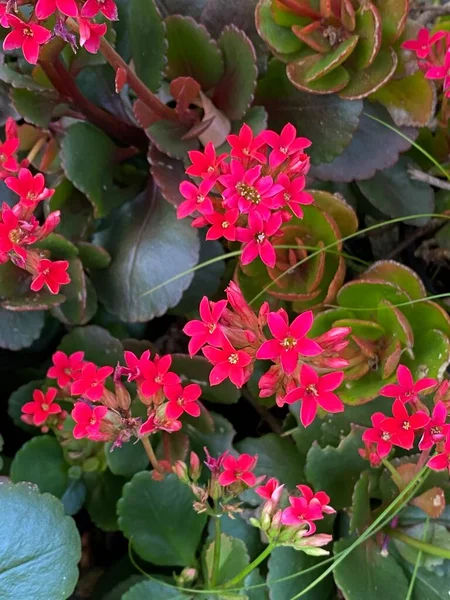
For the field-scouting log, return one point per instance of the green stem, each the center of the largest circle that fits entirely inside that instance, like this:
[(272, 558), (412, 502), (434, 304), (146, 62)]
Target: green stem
[(216, 557), (419, 544), (395, 474), (258, 560), (417, 565)]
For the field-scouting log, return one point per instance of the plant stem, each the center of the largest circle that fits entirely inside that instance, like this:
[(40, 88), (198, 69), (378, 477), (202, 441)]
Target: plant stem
[(258, 560), (417, 565), (151, 455), (216, 557), (35, 149), (395, 474), (419, 544)]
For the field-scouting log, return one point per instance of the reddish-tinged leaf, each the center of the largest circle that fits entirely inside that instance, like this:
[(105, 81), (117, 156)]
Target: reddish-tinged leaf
[(368, 27), (279, 39), (121, 79), (144, 115), (312, 35), (334, 81), (394, 14), (326, 64), (185, 91), (167, 173), (366, 81)]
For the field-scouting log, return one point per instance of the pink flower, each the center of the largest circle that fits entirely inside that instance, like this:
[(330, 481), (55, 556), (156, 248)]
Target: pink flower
[(88, 421), (196, 198), (156, 376), (316, 391), (407, 390), (422, 45), (154, 424), (436, 430), (91, 34), (135, 366), (206, 331), (271, 491), (403, 426), (290, 340), (246, 146), (7, 149), (238, 469), (223, 225), (256, 239), (106, 7), (91, 381), (30, 189), (284, 145), (65, 368), (27, 36), (378, 435), (205, 164), (320, 497), (228, 362), (292, 194), (10, 233), (42, 406), (45, 8), (183, 400), (305, 510), (440, 72), (441, 461), (53, 274)]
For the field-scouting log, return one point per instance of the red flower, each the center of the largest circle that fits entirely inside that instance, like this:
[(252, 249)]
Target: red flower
[(303, 511), (206, 331), (320, 497), (284, 145), (183, 400), (42, 406), (229, 363), (93, 7), (271, 491), (135, 366), (407, 390), (441, 461), (441, 72), (7, 149), (403, 426), (238, 469), (422, 45), (27, 36), (256, 239), (378, 435), (153, 424), (292, 194), (196, 198), (91, 34), (156, 376), (88, 421), (53, 274), (246, 145), (223, 225), (65, 368), (436, 430), (205, 164), (45, 8), (10, 233), (30, 189), (316, 391), (290, 340), (91, 381)]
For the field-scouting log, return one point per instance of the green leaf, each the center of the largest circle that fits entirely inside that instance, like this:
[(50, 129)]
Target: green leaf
[(431, 533), (233, 559), (20, 397), (366, 81), (81, 299), (87, 157), (329, 61), (361, 514), (98, 345), (234, 94), (428, 585), (104, 490), (277, 457), (92, 256), (280, 39), (168, 137), (35, 107), (286, 104), (192, 52), (159, 519), (18, 80), (128, 459), (217, 435), (287, 561), (333, 81), (118, 591), (20, 329), (395, 194), (58, 245), (364, 565), (39, 546), (41, 461), (336, 470), (154, 590), (431, 348), (167, 173), (145, 257), (144, 24), (74, 496), (393, 18), (238, 528)]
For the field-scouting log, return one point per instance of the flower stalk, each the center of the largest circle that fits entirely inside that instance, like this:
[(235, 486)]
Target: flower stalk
[(151, 454), (216, 557), (258, 560)]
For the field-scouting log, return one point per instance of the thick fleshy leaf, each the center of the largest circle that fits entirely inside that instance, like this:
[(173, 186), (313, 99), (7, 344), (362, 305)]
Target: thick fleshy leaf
[(20, 329), (428, 583), (361, 513), (393, 18), (395, 194), (210, 430), (144, 24), (170, 539), (168, 138), (92, 256), (367, 294), (333, 81), (234, 94), (34, 107), (154, 590), (38, 554), (398, 274), (103, 492), (239, 528), (59, 246), (366, 81), (232, 560), (286, 104), (98, 345), (332, 60), (368, 28), (278, 38), (136, 286), (336, 207), (192, 52), (17, 399), (432, 349), (168, 173), (81, 299), (128, 459)]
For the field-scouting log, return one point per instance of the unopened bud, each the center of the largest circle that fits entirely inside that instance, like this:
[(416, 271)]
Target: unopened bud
[(187, 575), (109, 399), (122, 395), (195, 465), (181, 471)]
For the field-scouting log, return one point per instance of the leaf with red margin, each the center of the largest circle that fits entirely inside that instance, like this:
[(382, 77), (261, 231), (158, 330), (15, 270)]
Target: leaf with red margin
[(167, 173), (366, 81), (334, 81)]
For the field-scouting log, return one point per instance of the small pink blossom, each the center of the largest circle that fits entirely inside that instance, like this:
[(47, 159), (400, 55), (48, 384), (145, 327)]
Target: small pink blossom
[(228, 362), (53, 274), (246, 146), (154, 424), (8, 161), (205, 164), (206, 331), (107, 7), (27, 36), (30, 189), (135, 366), (222, 225), (65, 368), (272, 490), (284, 145), (183, 400), (422, 45), (403, 426), (91, 381), (441, 461), (156, 376), (378, 435), (197, 198), (305, 510), (88, 421), (436, 431), (42, 407), (91, 34), (256, 238), (238, 470), (292, 194), (407, 390), (45, 8)]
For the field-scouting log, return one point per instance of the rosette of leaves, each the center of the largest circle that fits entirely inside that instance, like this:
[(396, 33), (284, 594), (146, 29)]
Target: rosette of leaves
[(341, 46), (392, 323), (307, 273)]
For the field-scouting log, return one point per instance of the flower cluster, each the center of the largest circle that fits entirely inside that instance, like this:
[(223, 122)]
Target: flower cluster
[(247, 194), (433, 55), (19, 228), (232, 337), (30, 34), (410, 418)]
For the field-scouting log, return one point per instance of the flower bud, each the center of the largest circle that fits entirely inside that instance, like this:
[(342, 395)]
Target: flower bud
[(122, 395), (181, 471), (187, 575), (195, 465)]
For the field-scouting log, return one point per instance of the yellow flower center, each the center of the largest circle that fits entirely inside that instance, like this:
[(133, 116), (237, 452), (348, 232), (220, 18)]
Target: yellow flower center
[(44, 406), (260, 237), (225, 225), (28, 32), (406, 425), (289, 343), (233, 359), (249, 192)]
